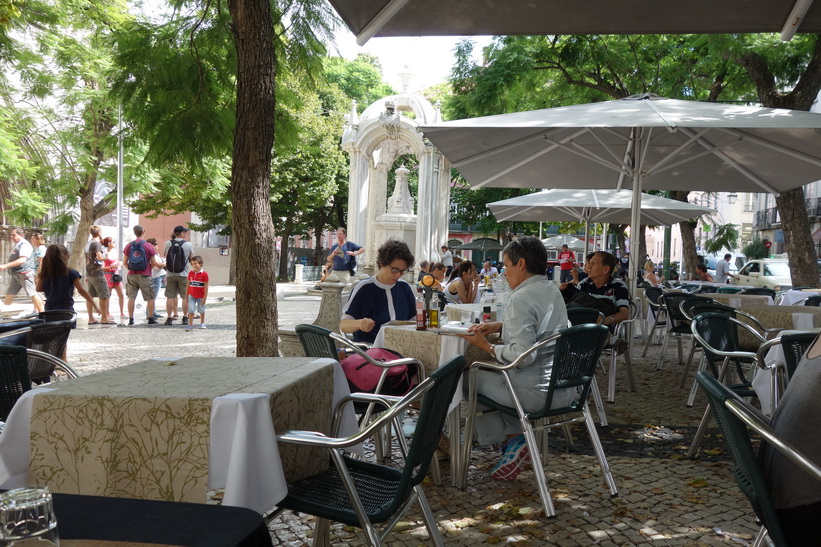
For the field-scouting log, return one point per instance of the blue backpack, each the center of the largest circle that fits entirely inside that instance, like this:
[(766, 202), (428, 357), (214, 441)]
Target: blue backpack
[(137, 259)]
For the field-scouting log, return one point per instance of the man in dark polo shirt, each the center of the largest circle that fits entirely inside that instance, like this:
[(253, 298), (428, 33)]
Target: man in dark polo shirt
[(600, 284)]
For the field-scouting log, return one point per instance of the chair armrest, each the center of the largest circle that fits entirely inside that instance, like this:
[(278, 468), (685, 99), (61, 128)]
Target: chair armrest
[(762, 352), (354, 348)]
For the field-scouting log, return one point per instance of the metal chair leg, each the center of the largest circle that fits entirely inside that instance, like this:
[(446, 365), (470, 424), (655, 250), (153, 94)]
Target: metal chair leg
[(322, 533), (597, 447), (687, 365), (628, 363), (538, 469), (611, 377), (702, 365), (427, 516), (597, 400), (660, 365), (702, 427)]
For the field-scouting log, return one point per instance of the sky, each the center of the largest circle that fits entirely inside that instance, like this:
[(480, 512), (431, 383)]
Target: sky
[(429, 58)]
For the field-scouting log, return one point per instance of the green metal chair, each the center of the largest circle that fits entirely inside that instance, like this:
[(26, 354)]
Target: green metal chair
[(794, 346), (575, 358), (717, 333), (729, 289), (764, 291), (359, 493), (580, 316), (734, 416), (678, 324), (14, 377)]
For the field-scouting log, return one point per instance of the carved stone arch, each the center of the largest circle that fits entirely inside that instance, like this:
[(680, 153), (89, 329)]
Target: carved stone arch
[(374, 141)]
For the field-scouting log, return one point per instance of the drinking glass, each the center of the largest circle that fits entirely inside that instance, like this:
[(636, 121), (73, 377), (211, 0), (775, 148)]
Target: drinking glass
[(27, 518)]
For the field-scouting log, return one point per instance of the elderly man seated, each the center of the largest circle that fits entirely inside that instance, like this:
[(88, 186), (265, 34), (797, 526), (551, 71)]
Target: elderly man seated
[(534, 311), (600, 284)]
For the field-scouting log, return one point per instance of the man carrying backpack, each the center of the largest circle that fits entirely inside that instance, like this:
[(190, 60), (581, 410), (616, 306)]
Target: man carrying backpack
[(177, 253), (139, 257)]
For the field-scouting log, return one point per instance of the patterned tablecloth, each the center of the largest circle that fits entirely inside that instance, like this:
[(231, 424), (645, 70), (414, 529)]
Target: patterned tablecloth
[(783, 317), (146, 430), (742, 301)]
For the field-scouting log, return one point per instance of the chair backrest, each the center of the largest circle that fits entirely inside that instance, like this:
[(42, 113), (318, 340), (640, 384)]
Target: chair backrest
[(51, 337), (747, 472), (57, 315), (6, 326), (672, 303), (17, 337), (708, 289), (582, 315), (652, 294), (814, 300), (432, 413), (14, 377), (575, 358), (686, 305), (316, 341), (795, 346), (765, 291), (728, 289)]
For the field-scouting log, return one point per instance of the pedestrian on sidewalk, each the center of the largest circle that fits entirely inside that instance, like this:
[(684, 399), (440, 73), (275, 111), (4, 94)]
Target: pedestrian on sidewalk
[(177, 255), (197, 292)]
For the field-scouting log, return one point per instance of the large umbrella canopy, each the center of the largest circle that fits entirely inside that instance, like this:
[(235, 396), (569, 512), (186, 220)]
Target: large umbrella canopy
[(483, 244), (636, 142), (556, 242), (605, 206), (673, 145), (367, 18)]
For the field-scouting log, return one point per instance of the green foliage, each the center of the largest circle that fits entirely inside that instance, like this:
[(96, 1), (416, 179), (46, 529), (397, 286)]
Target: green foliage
[(359, 79), (755, 250), (724, 237)]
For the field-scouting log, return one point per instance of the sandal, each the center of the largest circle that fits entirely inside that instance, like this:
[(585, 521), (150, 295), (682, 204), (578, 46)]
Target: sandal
[(93, 322)]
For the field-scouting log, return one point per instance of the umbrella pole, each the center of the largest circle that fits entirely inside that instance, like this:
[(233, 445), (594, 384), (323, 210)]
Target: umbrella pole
[(635, 210), (586, 236)]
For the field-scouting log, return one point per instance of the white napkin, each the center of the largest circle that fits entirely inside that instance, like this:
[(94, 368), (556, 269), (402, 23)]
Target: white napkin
[(15, 442)]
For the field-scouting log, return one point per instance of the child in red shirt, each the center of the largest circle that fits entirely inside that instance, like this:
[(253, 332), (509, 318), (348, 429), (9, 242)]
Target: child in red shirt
[(197, 291)]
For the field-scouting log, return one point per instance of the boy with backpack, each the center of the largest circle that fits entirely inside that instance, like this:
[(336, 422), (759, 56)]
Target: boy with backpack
[(139, 257), (178, 251)]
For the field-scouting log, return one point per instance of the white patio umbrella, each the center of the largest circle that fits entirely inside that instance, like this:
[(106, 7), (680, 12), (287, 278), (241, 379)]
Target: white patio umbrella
[(367, 18), (573, 243), (639, 142), (604, 206)]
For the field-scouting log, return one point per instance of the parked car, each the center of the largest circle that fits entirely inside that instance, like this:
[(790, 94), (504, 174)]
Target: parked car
[(773, 273), (736, 262)]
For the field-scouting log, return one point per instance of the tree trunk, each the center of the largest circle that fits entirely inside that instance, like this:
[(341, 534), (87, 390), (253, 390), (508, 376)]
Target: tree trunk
[(252, 225), (798, 238), (283, 256), (793, 211), (86, 205), (621, 238), (688, 242)]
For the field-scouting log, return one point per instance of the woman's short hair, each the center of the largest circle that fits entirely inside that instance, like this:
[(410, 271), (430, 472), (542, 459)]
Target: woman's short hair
[(531, 249), (649, 265), (438, 266), (391, 250), (702, 267)]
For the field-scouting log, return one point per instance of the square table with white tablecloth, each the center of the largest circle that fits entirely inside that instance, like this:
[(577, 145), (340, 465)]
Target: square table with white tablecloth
[(171, 429)]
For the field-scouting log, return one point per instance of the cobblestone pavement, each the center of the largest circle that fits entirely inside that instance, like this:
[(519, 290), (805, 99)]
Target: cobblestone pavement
[(664, 499)]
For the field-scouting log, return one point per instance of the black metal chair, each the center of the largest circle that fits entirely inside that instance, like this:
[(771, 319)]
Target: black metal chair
[(706, 289), (653, 297), (44, 367), (717, 333), (734, 416), (14, 377), (359, 493), (794, 346), (678, 325), (623, 331), (582, 316), (814, 300), (575, 358), (15, 324), (764, 291)]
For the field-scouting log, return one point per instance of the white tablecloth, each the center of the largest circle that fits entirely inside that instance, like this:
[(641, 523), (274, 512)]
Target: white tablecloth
[(793, 298), (244, 458)]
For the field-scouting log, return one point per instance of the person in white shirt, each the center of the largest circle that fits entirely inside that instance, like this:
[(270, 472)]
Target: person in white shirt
[(447, 260), (723, 270), (489, 270)]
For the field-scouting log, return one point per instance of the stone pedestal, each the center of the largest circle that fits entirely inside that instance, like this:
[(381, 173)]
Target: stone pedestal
[(330, 309)]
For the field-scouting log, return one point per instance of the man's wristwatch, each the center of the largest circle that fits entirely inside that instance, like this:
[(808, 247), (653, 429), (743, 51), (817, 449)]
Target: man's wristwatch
[(492, 352)]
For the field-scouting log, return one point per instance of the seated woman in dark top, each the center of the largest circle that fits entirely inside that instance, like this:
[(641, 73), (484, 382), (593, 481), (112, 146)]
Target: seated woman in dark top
[(383, 297), (797, 420)]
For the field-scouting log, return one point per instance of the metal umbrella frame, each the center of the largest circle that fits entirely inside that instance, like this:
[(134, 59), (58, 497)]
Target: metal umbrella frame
[(483, 244)]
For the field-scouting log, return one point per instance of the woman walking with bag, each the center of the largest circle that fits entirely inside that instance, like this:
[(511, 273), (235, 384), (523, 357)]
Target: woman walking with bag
[(111, 270)]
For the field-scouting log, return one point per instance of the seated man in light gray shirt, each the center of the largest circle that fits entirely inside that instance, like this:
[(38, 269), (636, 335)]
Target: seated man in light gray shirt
[(535, 310)]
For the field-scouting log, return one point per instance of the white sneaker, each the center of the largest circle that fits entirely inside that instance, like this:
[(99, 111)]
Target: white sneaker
[(202, 326)]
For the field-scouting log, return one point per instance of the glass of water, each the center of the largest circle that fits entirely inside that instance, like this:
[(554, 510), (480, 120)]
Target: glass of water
[(27, 518)]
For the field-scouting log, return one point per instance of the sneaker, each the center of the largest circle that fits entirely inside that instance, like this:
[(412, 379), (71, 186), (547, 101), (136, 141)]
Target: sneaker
[(153, 321), (169, 321), (514, 455), (130, 321), (189, 327), (620, 346), (317, 288), (202, 326), (184, 320)]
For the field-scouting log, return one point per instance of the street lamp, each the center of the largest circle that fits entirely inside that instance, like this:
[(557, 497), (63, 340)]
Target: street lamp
[(732, 198)]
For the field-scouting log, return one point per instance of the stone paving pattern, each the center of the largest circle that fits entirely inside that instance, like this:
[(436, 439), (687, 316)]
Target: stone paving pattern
[(664, 499)]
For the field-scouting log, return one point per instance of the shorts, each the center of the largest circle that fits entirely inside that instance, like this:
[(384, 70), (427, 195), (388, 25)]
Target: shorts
[(176, 285), (566, 276), (196, 304), (23, 281), (98, 286), (142, 283), (343, 275)]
